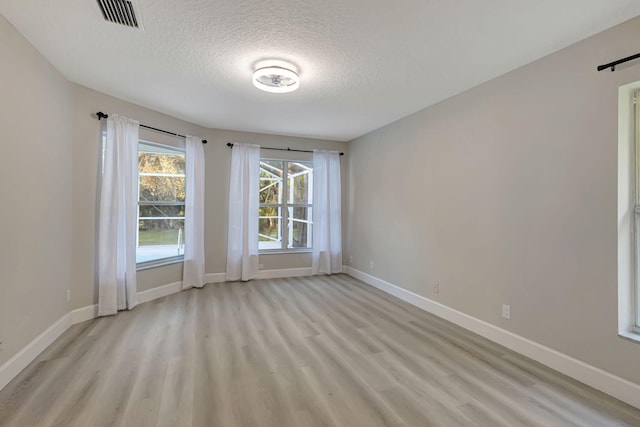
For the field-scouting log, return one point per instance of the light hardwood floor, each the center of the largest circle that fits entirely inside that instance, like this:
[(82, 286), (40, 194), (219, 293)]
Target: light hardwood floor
[(322, 351)]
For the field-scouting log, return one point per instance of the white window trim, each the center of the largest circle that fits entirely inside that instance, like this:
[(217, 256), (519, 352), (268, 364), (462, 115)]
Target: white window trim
[(628, 231), (284, 249)]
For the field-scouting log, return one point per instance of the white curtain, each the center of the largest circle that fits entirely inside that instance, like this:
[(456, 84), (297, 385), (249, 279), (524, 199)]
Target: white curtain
[(117, 225), (193, 271), (327, 213), (242, 238)]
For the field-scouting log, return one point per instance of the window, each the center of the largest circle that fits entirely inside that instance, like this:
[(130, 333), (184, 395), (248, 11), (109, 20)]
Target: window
[(286, 197), (161, 193), (636, 211), (629, 211)]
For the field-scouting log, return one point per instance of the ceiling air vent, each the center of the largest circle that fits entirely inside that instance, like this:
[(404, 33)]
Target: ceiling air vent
[(119, 12)]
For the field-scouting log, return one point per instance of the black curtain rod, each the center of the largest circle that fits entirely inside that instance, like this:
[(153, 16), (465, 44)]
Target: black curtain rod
[(613, 64), (102, 115), (230, 145)]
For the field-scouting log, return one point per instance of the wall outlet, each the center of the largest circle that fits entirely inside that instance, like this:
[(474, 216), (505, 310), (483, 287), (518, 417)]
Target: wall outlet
[(371, 265), (68, 295), (436, 288), (506, 311), (350, 259)]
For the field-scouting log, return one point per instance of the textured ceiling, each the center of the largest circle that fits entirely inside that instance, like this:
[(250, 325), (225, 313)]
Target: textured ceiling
[(362, 64)]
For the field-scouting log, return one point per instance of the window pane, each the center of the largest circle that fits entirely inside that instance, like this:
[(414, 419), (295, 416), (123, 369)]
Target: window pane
[(299, 175), (637, 290), (299, 228), (271, 172), (269, 228), (160, 162), (161, 188), (159, 238)]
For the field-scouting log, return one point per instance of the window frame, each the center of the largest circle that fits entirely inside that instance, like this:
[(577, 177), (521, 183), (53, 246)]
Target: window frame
[(635, 191), (143, 265), (283, 208), (628, 224)]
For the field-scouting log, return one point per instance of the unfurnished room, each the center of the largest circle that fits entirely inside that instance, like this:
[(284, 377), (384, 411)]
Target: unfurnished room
[(305, 213)]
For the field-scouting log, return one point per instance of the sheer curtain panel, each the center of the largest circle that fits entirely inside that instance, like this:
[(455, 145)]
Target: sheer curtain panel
[(117, 224), (326, 254), (242, 239), (193, 271)]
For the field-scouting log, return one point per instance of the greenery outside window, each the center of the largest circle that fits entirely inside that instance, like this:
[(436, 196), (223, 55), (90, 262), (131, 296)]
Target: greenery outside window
[(286, 203), (161, 195)]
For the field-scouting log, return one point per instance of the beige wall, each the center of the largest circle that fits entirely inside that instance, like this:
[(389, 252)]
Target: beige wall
[(36, 214), (506, 193), (86, 137)]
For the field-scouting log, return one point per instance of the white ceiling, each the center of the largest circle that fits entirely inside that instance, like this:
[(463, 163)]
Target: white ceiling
[(362, 63)]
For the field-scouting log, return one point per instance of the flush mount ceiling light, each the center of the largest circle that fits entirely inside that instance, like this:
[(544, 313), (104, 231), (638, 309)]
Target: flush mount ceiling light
[(276, 79)]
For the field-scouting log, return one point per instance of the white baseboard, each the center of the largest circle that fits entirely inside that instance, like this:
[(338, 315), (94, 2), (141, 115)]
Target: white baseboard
[(597, 378), (215, 277), (287, 272), (263, 274), (21, 360), (159, 292), (85, 313)]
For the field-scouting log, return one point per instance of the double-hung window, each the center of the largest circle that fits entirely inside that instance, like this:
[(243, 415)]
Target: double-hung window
[(629, 211), (636, 210), (161, 193), (286, 203)]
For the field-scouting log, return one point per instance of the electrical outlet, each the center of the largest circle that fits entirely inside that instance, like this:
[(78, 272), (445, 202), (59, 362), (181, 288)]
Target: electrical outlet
[(68, 295), (436, 288), (506, 311), (350, 259), (371, 265)]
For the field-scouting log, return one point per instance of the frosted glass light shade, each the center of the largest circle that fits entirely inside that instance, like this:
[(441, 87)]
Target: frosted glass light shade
[(276, 79)]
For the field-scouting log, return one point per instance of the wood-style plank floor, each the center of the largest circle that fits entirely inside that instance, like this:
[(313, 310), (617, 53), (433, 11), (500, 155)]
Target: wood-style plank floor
[(321, 351)]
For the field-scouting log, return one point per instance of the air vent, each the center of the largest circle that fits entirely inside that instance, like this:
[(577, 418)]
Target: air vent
[(118, 12)]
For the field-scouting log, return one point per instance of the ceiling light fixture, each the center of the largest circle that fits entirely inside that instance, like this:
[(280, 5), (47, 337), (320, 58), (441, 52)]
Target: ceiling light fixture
[(276, 79)]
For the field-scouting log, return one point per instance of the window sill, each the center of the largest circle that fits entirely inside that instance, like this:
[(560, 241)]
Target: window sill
[(630, 335), (280, 252), (159, 262)]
